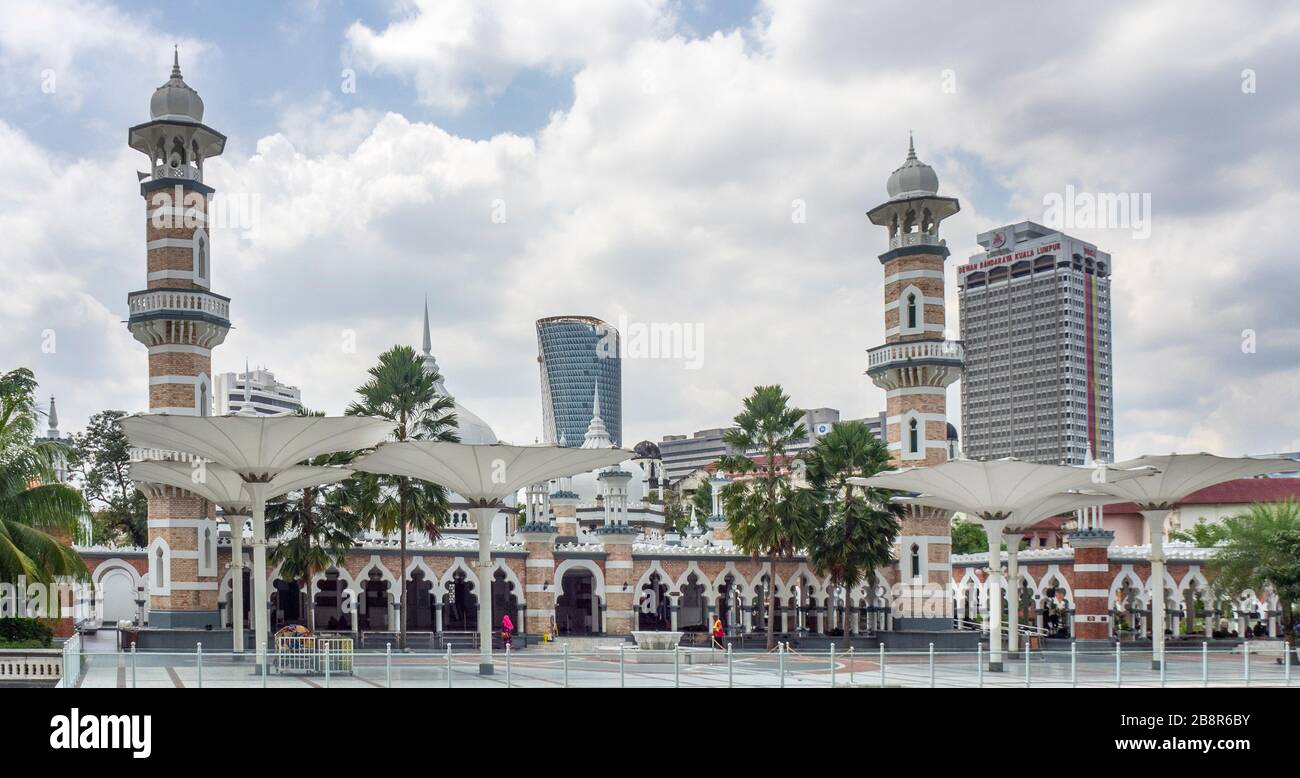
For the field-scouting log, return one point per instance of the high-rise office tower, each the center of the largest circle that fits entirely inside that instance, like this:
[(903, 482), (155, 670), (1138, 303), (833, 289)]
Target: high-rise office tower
[(1035, 320), (578, 355)]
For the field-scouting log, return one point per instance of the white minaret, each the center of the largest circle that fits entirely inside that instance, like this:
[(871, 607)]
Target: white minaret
[(597, 436)]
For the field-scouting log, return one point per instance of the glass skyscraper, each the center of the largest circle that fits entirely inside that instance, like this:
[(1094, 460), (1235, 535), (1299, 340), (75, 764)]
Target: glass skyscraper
[(575, 354)]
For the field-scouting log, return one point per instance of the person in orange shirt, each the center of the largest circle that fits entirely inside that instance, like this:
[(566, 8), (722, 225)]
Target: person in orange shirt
[(717, 633)]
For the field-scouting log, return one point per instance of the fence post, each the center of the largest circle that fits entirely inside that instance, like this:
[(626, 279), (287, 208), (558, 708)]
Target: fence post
[(1286, 652), (1205, 663), (448, 665), (1245, 663), (1026, 650), (132, 664), (266, 660), (931, 665), (1164, 660), (1118, 675), (979, 665), (388, 666), (566, 664), (621, 680), (832, 665), (729, 674), (1074, 665), (327, 664), (882, 665), (198, 661), (780, 651), (852, 669), (677, 667), (507, 665)]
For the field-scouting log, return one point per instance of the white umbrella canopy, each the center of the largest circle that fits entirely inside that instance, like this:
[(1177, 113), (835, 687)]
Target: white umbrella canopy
[(1027, 514), (484, 474), (225, 487), (1181, 474), (255, 445), (993, 489)]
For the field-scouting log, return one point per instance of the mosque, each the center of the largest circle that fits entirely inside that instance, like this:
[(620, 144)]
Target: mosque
[(558, 565)]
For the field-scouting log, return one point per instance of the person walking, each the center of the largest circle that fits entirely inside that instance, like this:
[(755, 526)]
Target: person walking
[(717, 633), (507, 630)]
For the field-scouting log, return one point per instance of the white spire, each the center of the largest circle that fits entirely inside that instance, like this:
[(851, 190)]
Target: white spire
[(246, 408), (53, 431), (431, 364), (597, 436)]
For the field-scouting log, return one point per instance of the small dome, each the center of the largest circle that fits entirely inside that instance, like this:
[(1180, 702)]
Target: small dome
[(913, 179), (471, 429), (175, 99), (647, 450), (952, 432)]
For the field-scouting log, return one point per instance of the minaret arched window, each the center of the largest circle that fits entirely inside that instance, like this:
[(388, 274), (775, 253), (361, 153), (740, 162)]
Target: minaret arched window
[(911, 310), (913, 436), (201, 265), (203, 399), (159, 574), (916, 560)]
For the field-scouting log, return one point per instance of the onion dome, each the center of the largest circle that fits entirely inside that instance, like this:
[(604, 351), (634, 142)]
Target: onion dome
[(913, 179), (175, 100)]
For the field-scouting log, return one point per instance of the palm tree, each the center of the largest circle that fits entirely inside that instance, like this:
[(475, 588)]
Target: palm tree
[(1261, 550), (315, 528), (36, 512), (856, 527), (1204, 535), (765, 513), (403, 391)]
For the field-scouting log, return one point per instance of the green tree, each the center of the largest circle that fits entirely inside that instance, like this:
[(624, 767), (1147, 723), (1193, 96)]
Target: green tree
[(766, 515), (314, 527), (702, 500), (855, 526), (36, 512), (403, 392), (969, 537), (101, 456), (1204, 535), (1261, 549)]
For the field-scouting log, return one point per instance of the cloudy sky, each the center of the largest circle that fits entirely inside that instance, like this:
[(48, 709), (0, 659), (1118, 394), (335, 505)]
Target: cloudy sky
[(643, 159)]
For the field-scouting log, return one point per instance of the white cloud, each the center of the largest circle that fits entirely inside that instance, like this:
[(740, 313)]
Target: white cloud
[(457, 50)]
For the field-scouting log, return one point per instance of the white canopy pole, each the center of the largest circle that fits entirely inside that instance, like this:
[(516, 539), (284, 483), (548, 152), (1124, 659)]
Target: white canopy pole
[(237, 581), (1013, 592), (993, 528), (1155, 521), (483, 519), (257, 492)]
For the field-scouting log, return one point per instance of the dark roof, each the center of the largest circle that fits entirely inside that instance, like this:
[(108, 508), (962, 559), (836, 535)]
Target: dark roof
[(647, 450)]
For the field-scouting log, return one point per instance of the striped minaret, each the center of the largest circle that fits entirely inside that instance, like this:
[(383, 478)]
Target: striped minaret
[(917, 363), (178, 318)]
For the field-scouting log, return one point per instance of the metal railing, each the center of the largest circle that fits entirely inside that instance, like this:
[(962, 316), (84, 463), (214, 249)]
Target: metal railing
[(623, 665)]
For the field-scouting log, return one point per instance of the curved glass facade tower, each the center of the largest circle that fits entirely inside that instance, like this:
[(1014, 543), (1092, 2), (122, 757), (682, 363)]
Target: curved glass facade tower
[(575, 354)]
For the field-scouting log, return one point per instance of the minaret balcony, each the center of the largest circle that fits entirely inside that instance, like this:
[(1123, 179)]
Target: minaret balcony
[(916, 363), (194, 316), (906, 239)]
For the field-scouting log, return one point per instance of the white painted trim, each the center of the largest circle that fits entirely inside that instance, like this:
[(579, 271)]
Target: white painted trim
[(907, 275), (944, 540), (620, 614), (539, 611), (173, 348), (177, 523), (1100, 593), (175, 411), (185, 554), (170, 243), (547, 563), (158, 380), (194, 586), (935, 444), (939, 417), (618, 564), (929, 327), (917, 390), (1092, 568), (169, 275)]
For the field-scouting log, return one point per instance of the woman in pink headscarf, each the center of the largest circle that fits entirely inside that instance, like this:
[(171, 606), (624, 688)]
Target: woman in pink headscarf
[(507, 629)]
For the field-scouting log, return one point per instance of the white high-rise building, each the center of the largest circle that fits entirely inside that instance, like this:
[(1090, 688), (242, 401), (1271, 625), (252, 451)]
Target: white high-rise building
[(260, 390), (1035, 320)]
